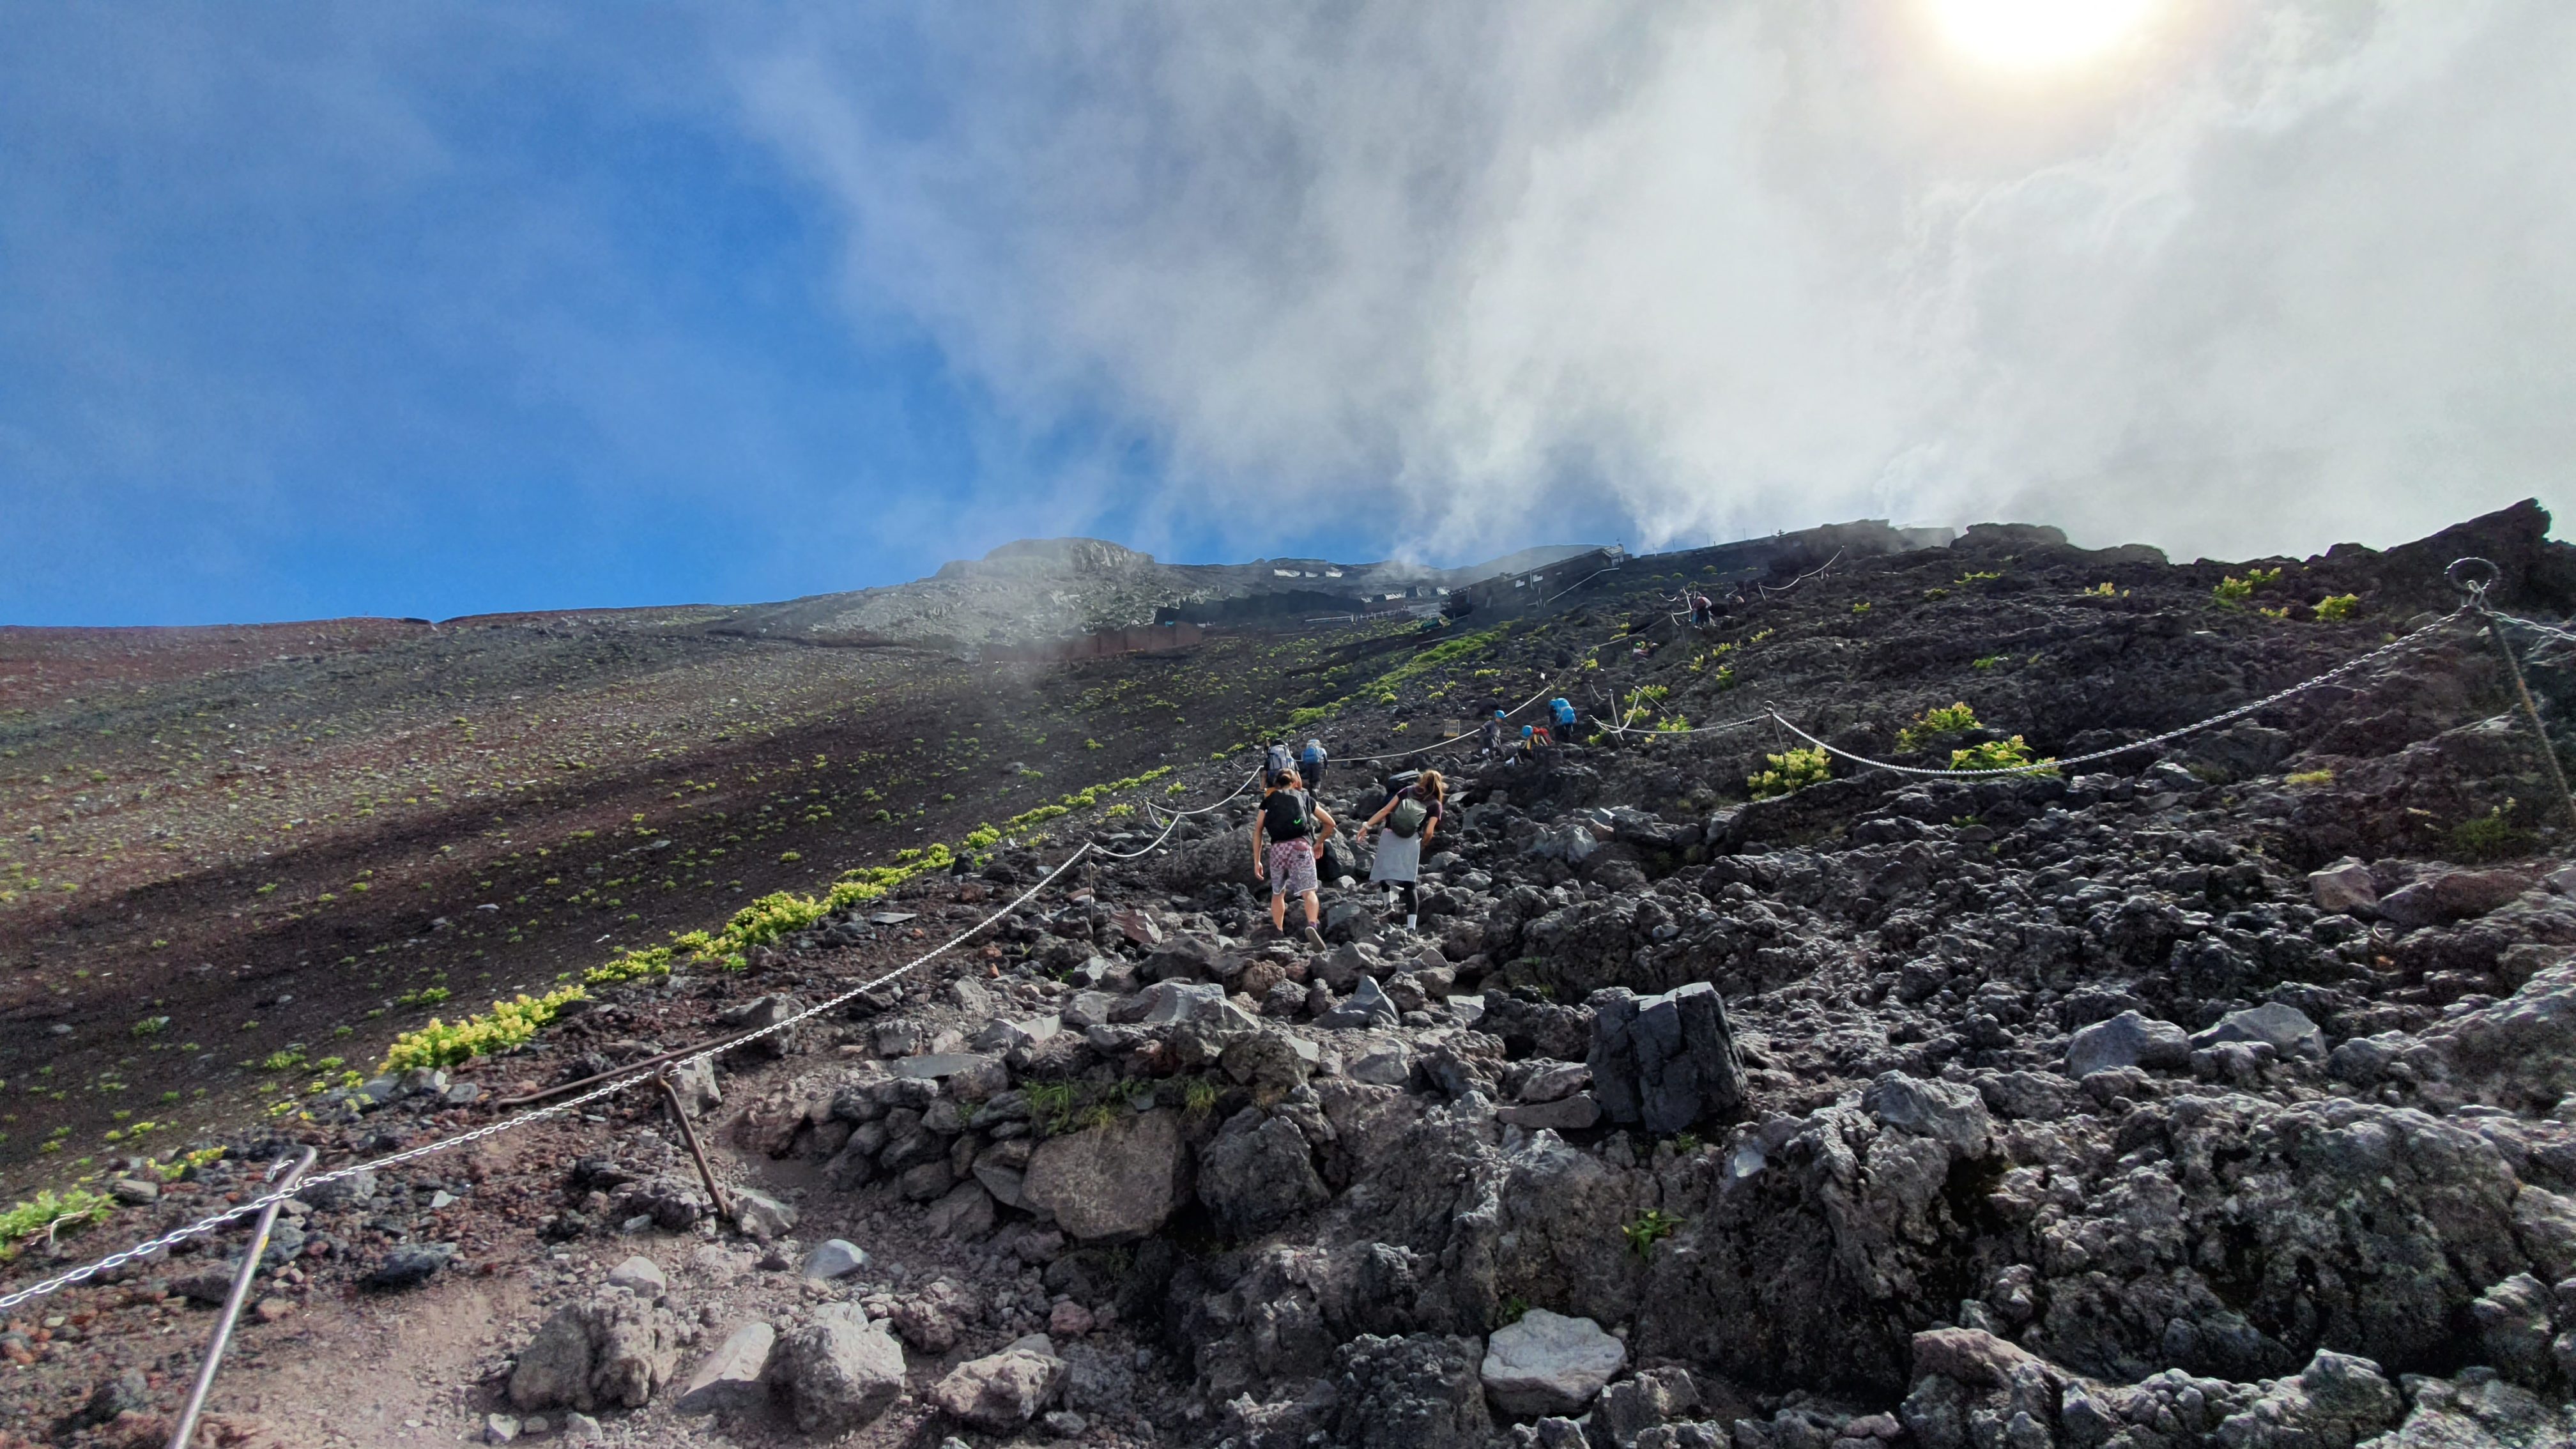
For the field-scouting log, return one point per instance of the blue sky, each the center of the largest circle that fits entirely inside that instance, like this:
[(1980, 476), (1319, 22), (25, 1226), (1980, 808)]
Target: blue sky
[(310, 310)]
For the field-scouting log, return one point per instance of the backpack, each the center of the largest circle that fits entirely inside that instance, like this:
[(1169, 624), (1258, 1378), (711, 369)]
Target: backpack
[(1275, 762), (1407, 817), (1314, 754)]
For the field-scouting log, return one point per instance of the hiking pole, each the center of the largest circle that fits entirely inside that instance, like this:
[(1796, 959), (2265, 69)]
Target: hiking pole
[(196, 1405), (2473, 577), (689, 1135)]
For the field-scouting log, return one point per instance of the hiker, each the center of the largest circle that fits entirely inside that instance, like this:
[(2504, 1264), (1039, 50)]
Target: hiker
[(1566, 719), (1494, 735), (1292, 823), (1410, 816), (1274, 763), (1700, 607), (1311, 764), (1528, 752)]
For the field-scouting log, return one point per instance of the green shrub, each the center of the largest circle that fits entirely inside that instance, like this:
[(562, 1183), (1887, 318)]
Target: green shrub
[(1792, 771), (2337, 608), (52, 1216), (1651, 1228), (506, 1025), (2009, 754), (2492, 836), (2233, 590), (1932, 724), (2304, 779)]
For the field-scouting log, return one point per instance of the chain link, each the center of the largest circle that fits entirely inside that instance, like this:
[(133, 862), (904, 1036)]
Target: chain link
[(2393, 646)]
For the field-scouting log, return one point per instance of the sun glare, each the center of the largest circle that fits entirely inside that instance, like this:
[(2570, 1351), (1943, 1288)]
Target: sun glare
[(2037, 34)]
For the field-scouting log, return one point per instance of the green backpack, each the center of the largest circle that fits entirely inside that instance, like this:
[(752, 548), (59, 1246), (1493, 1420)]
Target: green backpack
[(1407, 817)]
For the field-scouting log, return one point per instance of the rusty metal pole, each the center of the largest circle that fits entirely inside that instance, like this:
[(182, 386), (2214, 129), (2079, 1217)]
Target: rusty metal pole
[(2473, 576), (215, 1347), (689, 1135)]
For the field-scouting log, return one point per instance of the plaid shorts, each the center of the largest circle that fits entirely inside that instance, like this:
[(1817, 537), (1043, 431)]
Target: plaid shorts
[(1292, 867)]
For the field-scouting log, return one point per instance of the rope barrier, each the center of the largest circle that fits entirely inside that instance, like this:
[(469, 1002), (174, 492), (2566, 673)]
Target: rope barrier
[(2393, 646), (213, 1221)]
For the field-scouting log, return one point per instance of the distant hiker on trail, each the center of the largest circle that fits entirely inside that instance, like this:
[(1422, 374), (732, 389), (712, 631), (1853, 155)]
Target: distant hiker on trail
[(1274, 763), (1527, 753), (1566, 718), (1494, 734), (1311, 764), (1410, 817), (1700, 608), (1292, 823)]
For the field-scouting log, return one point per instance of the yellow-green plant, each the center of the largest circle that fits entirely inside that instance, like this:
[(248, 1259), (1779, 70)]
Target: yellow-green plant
[(2233, 590), (2337, 608), (1932, 724), (2009, 754), (507, 1024), (51, 1215), (1792, 771), (1651, 1228)]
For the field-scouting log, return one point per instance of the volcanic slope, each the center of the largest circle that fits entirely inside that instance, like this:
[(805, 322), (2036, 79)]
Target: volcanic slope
[(2054, 1109)]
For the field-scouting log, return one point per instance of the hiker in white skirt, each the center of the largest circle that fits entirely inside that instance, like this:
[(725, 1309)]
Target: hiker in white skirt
[(1403, 824)]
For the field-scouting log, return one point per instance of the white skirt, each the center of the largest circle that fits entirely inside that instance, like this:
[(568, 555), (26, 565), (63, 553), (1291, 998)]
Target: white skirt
[(1399, 857)]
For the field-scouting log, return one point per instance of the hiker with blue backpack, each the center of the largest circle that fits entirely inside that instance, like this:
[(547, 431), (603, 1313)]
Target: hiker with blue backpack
[(1409, 817), (1310, 764), (1563, 709)]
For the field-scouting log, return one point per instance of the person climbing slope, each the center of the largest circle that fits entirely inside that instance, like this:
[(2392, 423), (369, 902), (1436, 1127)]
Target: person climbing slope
[(1310, 764), (1566, 718), (1291, 823), (1410, 817), (1274, 763)]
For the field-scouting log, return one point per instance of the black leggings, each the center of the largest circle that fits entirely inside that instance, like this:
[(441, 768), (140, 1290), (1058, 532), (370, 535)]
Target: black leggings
[(1406, 889)]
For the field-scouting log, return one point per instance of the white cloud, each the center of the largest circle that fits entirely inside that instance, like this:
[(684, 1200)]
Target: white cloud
[(2264, 279)]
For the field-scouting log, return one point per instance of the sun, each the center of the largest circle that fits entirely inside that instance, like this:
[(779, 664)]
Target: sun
[(2038, 34)]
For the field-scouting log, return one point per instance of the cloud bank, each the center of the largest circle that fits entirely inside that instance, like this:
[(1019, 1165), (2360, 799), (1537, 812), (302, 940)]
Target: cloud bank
[(2267, 277)]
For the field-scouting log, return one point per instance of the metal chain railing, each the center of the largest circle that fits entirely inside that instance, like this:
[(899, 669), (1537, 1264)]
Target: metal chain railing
[(2394, 646)]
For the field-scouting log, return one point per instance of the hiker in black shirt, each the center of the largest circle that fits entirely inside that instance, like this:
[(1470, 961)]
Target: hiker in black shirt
[(1292, 823)]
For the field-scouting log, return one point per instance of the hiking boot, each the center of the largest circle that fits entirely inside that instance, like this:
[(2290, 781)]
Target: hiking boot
[(1314, 938)]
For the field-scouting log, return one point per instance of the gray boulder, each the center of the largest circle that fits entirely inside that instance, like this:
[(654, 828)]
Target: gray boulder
[(730, 1377), (1113, 1183), (1369, 1006), (1547, 1363), (2286, 1029), (1421, 1392), (1000, 1392), (1950, 1112), (840, 1371), (614, 1349), (1565, 1114), (1663, 1062), (2344, 886), (834, 1258), (2127, 1040), (1651, 1399), (1258, 1171)]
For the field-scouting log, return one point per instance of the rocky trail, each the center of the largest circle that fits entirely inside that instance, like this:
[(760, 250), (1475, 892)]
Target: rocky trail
[(2222, 1093)]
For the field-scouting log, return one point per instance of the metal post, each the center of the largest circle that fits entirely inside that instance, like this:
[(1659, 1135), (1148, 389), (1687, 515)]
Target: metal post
[(196, 1404), (689, 1135), (2473, 576)]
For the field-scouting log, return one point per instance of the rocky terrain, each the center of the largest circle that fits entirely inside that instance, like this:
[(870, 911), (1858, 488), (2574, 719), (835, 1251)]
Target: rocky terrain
[(2217, 1093)]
